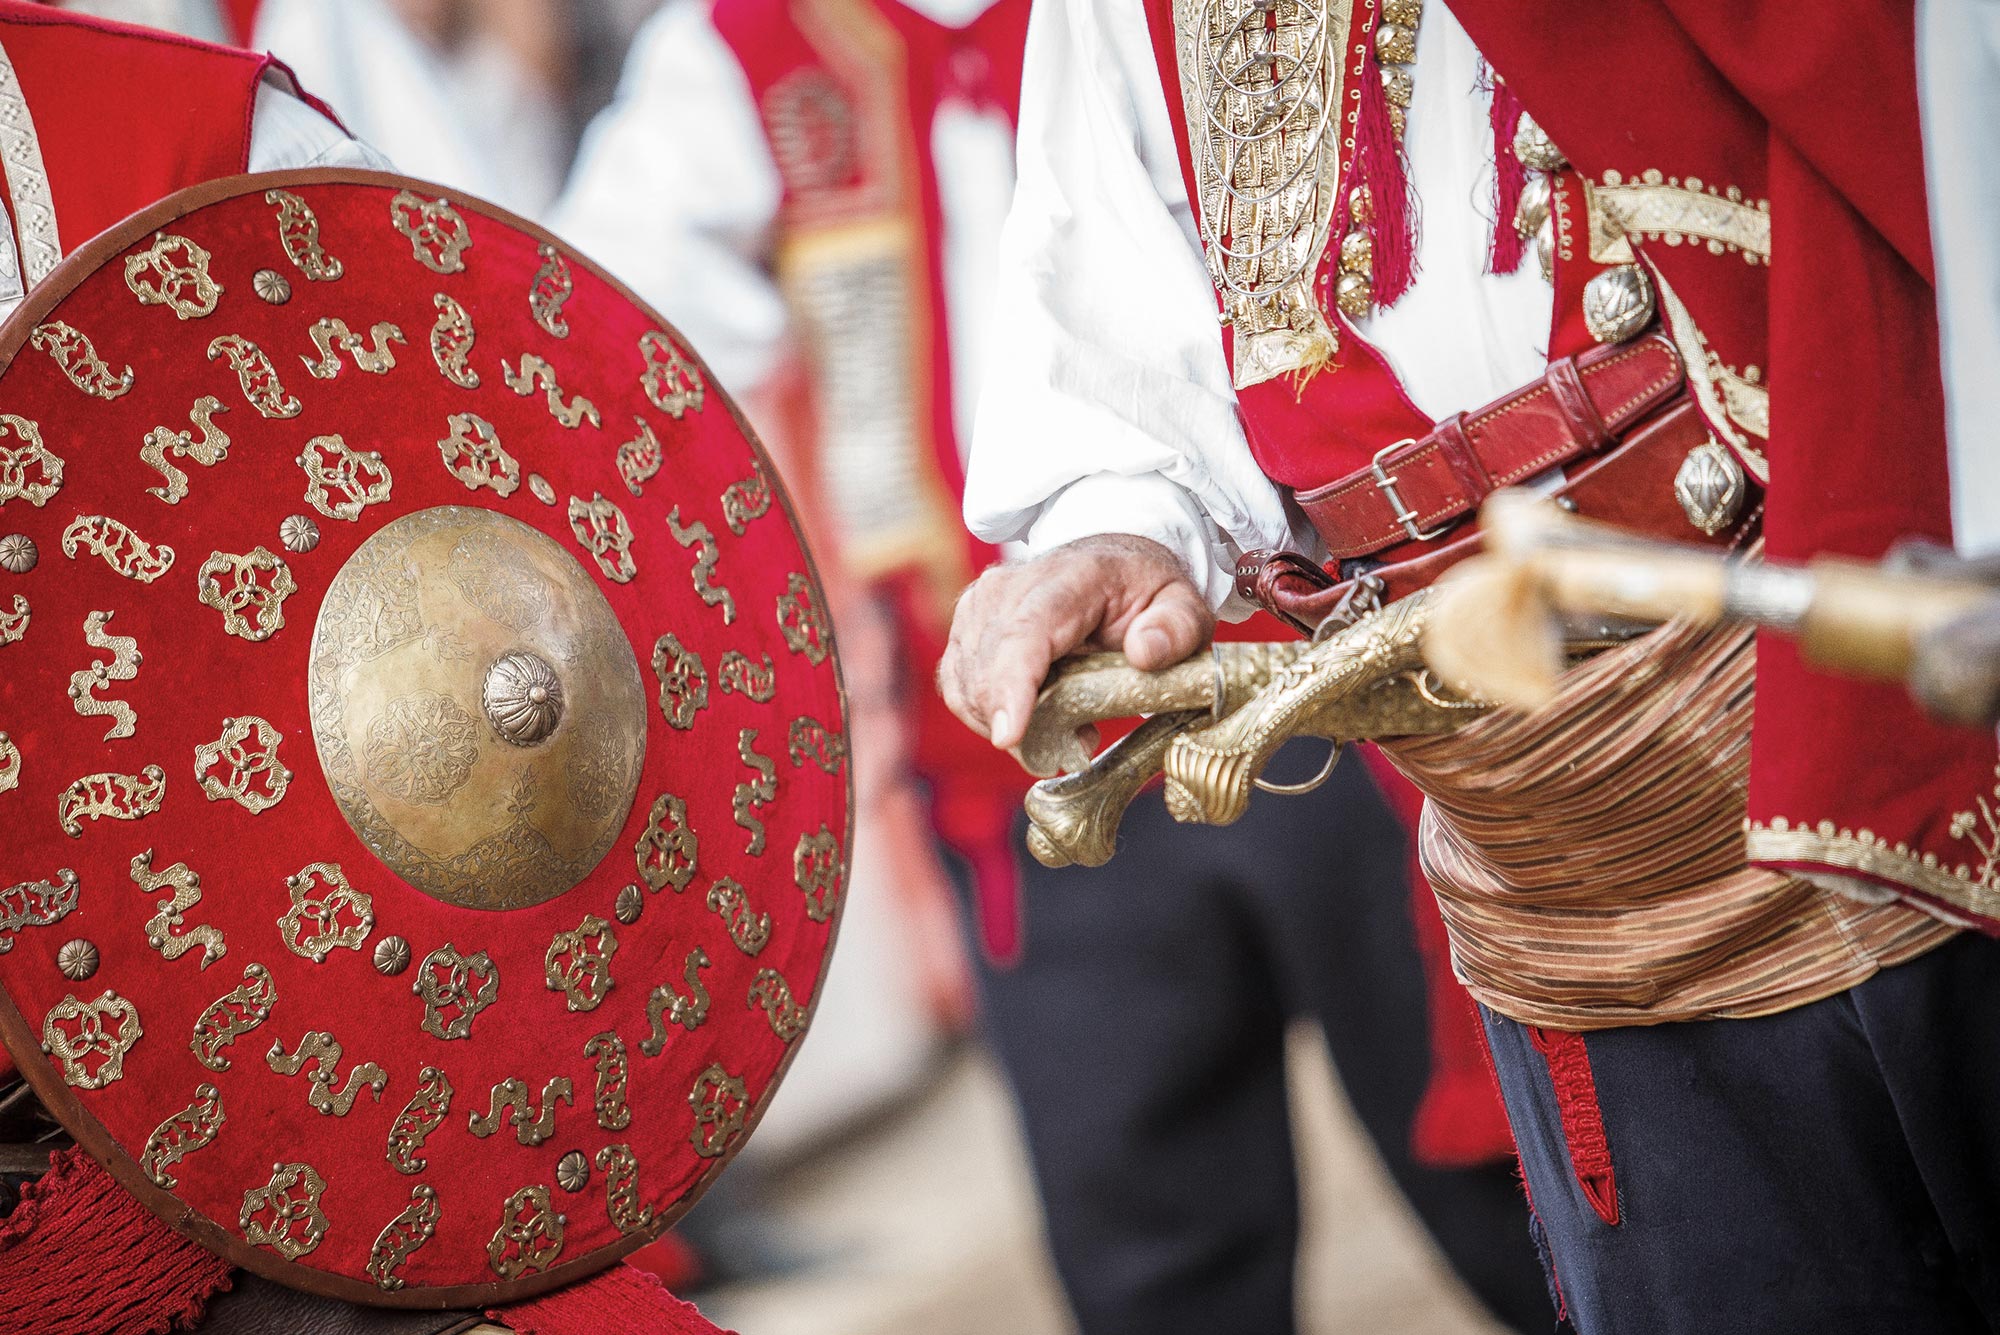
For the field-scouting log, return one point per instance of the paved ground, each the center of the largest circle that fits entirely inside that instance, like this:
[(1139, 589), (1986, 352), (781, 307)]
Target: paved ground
[(927, 1226)]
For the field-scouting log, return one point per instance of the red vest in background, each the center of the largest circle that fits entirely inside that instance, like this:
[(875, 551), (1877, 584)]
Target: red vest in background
[(1772, 179), (240, 17), (122, 116), (848, 92)]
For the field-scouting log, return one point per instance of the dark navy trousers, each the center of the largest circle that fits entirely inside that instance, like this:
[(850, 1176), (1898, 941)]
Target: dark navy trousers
[(1144, 1034), (1832, 1169)]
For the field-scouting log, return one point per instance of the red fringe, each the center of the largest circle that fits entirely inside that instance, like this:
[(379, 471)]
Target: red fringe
[(1509, 247), (81, 1256), (1379, 165)]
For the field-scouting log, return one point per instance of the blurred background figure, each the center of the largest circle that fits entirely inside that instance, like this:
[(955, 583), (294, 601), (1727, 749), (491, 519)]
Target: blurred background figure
[(472, 93), (812, 191), (822, 250), (468, 92)]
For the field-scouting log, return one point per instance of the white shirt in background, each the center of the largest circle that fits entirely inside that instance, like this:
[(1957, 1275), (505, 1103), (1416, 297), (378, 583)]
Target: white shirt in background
[(1118, 415), (675, 191), (473, 122), (1958, 68)]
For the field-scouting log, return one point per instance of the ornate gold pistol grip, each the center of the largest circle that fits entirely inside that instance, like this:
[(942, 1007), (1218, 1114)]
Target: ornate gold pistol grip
[(1090, 688), (1074, 819)]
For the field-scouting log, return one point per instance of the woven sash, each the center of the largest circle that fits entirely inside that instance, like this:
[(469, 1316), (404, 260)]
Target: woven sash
[(1589, 858)]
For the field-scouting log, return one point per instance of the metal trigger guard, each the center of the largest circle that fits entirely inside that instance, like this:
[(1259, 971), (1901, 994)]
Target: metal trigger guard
[(1313, 784)]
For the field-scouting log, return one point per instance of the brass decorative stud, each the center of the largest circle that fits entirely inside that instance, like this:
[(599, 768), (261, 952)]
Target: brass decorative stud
[(18, 553), (1618, 303), (299, 533), (272, 286), (392, 956), (1398, 86), (573, 1171), (1533, 208), (1535, 149), (539, 485), (433, 753), (1710, 487), (1355, 296), (1357, 253), (523, 699), (629, 905), (77, 960), (1395, 44)]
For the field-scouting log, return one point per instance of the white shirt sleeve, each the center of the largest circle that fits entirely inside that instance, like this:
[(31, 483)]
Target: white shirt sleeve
[(675, 192), (1108, 405), (285, 132)]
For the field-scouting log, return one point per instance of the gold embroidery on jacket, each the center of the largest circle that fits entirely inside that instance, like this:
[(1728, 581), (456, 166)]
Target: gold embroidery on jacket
[(1261, 85), (1736, 407), (1968, 887), (1655, 207)]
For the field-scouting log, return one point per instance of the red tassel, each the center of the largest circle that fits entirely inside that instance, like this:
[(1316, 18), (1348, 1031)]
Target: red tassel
[(1379, 166), (1509, 247)]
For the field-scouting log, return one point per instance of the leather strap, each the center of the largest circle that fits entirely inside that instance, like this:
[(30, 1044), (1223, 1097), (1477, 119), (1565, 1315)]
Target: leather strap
[(1630, 485), (1416, 489)]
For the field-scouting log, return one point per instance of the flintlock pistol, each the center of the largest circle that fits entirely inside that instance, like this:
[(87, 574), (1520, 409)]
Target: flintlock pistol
[(1217, 721)]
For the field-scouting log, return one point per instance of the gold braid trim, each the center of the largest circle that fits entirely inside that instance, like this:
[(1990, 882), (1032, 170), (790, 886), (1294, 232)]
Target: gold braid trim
[(1734, 406), (1668, 209), (1969, 887), (1653, 207)]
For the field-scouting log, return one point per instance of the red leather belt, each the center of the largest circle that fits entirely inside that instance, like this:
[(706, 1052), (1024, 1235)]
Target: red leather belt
[(1617, 419), (1415, 489)]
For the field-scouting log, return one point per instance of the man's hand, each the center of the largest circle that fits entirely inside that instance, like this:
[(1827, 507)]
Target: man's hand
[(1115, 591)]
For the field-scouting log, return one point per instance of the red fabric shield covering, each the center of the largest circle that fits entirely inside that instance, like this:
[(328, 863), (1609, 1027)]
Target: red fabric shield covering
[(191, 676)]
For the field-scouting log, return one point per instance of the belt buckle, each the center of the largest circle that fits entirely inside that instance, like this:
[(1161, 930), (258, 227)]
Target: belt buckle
[(1385, 482)]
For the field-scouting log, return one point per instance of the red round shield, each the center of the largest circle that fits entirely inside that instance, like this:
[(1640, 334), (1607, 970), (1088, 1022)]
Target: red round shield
[(423, 763)]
